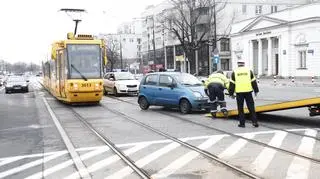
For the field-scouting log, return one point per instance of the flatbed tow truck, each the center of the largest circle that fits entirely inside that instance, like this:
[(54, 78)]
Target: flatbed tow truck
[(313, 105)]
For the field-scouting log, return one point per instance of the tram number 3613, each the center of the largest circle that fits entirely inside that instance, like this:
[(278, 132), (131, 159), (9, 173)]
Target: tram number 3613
[(86, 85)]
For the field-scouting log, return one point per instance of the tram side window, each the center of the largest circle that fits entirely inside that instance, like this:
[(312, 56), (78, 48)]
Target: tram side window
[(53, 70)]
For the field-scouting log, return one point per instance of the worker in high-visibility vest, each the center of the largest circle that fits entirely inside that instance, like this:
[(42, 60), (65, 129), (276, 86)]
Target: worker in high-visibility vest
[(243, 83), (214, 88)]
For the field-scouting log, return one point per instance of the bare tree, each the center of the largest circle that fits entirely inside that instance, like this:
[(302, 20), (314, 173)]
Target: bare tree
[(112, 52), (194, 23)]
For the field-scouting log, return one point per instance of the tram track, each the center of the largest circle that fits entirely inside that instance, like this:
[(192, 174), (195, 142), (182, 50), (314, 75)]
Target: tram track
[(185, 144), (316, 160), (143, 174)]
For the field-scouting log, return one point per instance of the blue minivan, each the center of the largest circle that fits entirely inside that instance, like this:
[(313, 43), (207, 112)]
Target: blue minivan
[(172, 89)]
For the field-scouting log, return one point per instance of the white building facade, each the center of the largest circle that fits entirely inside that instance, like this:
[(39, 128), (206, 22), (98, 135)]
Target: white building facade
[(286, 43), (127, 43), (166, 46)]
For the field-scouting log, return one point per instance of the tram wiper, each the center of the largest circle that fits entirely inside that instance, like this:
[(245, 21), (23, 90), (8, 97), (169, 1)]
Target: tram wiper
[(82, 76)]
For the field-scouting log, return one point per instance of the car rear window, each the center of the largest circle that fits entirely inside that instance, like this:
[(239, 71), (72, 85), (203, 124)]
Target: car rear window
[(151, 80)]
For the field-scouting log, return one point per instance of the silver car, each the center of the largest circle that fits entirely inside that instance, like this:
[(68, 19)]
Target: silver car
[(16, 83)]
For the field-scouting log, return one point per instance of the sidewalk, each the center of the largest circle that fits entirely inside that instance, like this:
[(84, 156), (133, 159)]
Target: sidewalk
[(297, 82), (300, 82)]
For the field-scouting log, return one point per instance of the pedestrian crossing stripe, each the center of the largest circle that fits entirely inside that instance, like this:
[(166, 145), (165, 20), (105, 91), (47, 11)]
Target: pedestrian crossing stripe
[(259, 165), (83, 149)]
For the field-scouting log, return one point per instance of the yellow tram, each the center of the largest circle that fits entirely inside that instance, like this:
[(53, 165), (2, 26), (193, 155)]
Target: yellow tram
[(74, 73)]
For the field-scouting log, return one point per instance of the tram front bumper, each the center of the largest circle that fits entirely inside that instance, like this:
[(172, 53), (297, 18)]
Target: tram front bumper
[(85, 96)]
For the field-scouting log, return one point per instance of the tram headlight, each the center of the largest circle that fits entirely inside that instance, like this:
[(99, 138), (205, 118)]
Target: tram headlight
[(73, 86), (96, 86)]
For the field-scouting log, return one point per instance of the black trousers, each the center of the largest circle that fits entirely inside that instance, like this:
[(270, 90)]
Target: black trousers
[(216, 95), (250, 104)]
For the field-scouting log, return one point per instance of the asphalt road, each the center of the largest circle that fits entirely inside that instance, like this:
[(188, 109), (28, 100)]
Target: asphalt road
[(33, 145)]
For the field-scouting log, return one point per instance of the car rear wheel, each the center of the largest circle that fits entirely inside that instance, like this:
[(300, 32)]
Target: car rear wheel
[(143, 103), (185, 106)]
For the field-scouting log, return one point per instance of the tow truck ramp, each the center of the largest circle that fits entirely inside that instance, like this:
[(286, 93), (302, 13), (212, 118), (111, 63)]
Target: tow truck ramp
[(313, 105)]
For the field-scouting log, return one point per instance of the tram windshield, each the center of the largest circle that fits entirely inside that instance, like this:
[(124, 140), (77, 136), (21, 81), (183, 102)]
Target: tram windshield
[(84, 61)]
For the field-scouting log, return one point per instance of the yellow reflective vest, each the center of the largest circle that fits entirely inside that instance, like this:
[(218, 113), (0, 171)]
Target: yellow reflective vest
[(217, 78), (243, 80)]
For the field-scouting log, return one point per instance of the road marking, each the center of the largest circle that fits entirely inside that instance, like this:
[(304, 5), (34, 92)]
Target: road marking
[(144, 161), (299, 168), (33, 126), (235, 147), (74, 155), (265, 157), (182, 161), (33, 155), (105, 162), (13, 159), (29, 165), (66, 164), (153, 142)]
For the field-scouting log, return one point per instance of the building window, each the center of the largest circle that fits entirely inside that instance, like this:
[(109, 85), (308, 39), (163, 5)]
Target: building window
[(139, 40), (131, 40), (225, 64), (302, 59), (204, 11), (258, 9), (244, 8), (274, 9), (124, 40), (224, 45)]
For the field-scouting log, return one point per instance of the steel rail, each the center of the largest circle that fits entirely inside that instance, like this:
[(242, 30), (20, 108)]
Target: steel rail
[(185, 144)]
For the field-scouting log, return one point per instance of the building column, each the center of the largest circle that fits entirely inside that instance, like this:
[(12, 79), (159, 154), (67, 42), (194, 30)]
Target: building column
[(250, 54), (197, 62), (174, 57), (269, 56), (260, 57), (279, 57)]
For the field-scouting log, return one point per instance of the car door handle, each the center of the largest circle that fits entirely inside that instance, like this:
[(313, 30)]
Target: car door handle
[(144, 87), (160, 89)]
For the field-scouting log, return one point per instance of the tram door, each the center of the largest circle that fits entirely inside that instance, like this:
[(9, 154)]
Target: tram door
[(61, 76)]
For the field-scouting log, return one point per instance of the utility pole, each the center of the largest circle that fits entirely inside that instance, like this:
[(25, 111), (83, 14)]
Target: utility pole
[(215, 52), (121, 65), (148, 47), (153, 41)]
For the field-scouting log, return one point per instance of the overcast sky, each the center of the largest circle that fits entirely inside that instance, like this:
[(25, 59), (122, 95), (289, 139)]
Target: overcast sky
[(28, 27)]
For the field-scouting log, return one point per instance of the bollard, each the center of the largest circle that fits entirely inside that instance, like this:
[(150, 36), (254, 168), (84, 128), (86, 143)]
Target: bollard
[(274, 80), (312, 79), (292, 79)]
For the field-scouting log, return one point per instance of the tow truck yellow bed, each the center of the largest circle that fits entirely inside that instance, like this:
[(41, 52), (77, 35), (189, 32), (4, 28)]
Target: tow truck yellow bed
[(312, 103)]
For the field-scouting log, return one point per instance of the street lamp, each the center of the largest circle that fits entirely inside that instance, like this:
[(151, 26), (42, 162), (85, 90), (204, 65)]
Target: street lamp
[(75, 15)]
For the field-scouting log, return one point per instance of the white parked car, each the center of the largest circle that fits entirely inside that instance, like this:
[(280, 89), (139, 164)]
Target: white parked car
[(120, 83)]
